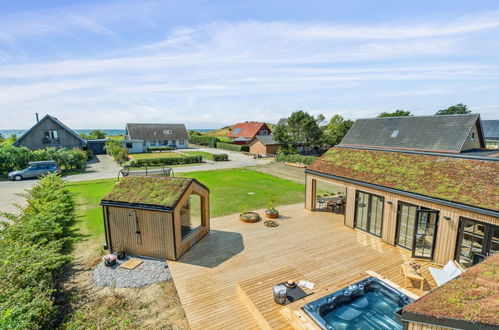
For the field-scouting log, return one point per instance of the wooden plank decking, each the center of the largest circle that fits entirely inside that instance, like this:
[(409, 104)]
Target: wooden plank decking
[(315, 244)]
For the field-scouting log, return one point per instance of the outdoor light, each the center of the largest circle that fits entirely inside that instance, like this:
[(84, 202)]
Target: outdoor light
[(447, 217), (389, 202)]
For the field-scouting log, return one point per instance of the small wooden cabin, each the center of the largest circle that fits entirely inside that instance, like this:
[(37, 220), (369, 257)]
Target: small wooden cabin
[(159, 217)]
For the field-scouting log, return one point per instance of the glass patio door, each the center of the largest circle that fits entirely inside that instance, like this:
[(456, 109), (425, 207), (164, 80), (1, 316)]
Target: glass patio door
[(425, 233), (369, 212), (406, 221), (476, 241)]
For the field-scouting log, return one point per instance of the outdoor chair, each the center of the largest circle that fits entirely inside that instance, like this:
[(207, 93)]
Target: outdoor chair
[(450, 271)]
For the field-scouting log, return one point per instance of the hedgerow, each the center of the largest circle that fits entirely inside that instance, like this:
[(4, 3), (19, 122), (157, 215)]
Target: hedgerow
[(31, 255), (16, 158), (204, 140), (296, 158), (220, 157), (114, 148), (233, 147), (156, 149), (165, 161)]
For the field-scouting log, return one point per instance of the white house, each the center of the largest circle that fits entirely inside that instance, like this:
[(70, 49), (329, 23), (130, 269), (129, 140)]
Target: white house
[(139, 137)]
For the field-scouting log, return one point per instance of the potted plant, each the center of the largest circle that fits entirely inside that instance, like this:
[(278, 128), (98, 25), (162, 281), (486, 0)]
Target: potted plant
[(249, 217), (415, 267), (109, 260), (120, 252), (271, 211)]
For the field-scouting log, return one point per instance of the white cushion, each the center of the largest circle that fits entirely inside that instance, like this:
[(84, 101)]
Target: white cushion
[(446, 274)]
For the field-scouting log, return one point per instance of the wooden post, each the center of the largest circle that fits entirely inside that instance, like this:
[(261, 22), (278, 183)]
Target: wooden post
[(310, 192)]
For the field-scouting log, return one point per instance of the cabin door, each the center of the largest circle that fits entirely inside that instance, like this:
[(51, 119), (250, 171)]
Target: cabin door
[(425, 232)]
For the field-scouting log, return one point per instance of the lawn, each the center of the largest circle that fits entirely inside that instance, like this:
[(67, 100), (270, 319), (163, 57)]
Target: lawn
[(232, 191), (151, 155), (205, 155)]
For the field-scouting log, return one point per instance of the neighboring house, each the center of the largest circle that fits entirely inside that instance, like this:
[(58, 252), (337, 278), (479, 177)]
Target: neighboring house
[(436, 206), (138, 137), (264, 145), (468, 302), (50, 132), (491, 133), (243, 133), (447, 134)]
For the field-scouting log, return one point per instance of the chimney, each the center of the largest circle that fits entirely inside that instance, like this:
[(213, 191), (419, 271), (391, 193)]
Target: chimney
[(37, 120)]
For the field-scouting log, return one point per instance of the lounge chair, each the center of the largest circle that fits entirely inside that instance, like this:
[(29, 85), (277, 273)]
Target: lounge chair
[(450, 271)]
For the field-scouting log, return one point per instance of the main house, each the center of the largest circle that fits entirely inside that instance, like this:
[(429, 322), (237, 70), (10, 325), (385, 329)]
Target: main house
[(243, 133), (423, 192), (139, 137), (50, 132), (491, 133)]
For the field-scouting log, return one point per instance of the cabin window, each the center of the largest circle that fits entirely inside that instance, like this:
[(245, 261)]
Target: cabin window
[(369, 212), (476, 241), (190, 215), (129, 145), (50, 137), (394, 133)]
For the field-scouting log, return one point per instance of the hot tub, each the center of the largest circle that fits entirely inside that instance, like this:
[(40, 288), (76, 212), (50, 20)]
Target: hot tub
[(368, 304)]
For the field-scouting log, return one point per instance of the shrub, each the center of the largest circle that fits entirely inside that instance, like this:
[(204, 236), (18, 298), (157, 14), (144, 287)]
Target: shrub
[(31, 253), (166, 161), (15, 158), (114, 148), (204, 140), (158, 149), (233, 147), (220, 157), (296, 158)]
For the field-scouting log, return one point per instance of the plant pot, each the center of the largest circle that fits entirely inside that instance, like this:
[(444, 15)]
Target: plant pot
[(109, 263), (120, 255), (273, 215), (249, 217)]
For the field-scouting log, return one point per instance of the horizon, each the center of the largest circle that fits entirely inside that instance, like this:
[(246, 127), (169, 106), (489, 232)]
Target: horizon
[(98, 64)]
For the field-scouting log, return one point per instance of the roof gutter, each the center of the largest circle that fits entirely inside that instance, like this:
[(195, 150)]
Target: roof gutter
[(443, 322), (137, 206), (460, 206)]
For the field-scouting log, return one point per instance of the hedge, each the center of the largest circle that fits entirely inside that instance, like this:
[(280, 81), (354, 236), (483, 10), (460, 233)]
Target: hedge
[(204, 140), (16, 158), (233, 147), (155, 149), (166, 161), (114, 148), (220, 157), (296, 158), (31, 253)]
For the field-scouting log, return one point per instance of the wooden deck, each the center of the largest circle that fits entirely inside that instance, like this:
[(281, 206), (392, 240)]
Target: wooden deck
[(214, 279)]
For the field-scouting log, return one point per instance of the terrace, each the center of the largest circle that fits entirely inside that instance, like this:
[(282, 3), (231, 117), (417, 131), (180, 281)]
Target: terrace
[(226, 280)]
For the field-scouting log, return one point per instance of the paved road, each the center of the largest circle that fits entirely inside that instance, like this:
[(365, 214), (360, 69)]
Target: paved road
[(104, 167)]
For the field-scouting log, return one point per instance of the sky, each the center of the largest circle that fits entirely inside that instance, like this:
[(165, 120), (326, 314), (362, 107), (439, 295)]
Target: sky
[(101, 64)]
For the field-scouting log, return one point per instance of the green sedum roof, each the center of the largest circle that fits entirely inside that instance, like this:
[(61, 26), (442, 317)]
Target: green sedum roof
[(160, 191), (473, 296), (467, 181)]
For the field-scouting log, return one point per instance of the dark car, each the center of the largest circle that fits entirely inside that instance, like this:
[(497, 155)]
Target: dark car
[(35, 170)]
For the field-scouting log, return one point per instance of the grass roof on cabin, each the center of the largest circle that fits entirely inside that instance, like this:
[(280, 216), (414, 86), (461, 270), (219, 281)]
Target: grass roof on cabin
[(466, 181), (162, 191), (473, 296)]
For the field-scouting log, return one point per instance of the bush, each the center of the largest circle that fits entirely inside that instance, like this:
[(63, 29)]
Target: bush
[(296, 158), (31, 253), (114, 148), (209, 141), (220, 157), (15, 158), (233, 147), (166, 161), (160, 149)]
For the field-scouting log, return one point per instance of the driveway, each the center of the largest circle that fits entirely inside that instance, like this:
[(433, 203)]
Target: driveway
[(104, 167)]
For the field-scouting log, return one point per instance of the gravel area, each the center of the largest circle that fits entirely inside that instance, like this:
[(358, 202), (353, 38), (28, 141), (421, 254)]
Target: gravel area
[(148, 272)]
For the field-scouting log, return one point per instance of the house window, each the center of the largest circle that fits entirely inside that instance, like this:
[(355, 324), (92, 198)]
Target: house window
[(174, 142), (264, 132), (50, 137), (153, 143), (236, 131), (167, 131), (129, 145), (472, 136), (181, 142), (394, 133), (163, 142)]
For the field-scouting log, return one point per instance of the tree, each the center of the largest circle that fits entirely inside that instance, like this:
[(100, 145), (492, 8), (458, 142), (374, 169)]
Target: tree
[(301, 129), (396, 113), (458, 109), (94, 135), (336, 129)]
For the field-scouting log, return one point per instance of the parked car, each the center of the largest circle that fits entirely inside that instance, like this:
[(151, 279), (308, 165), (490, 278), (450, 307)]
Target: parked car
[(173, 146), (35, 170)]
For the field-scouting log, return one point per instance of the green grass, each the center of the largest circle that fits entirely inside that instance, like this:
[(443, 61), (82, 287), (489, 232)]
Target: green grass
[(229, 193), (205, 155)]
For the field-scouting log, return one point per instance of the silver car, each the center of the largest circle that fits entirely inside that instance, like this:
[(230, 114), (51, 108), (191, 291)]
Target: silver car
[(35, 170)]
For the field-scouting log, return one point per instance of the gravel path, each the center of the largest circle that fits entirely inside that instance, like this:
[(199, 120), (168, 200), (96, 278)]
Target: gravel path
[(148, 272)]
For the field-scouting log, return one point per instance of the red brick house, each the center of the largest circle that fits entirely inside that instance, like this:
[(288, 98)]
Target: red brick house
[(243, 133)]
